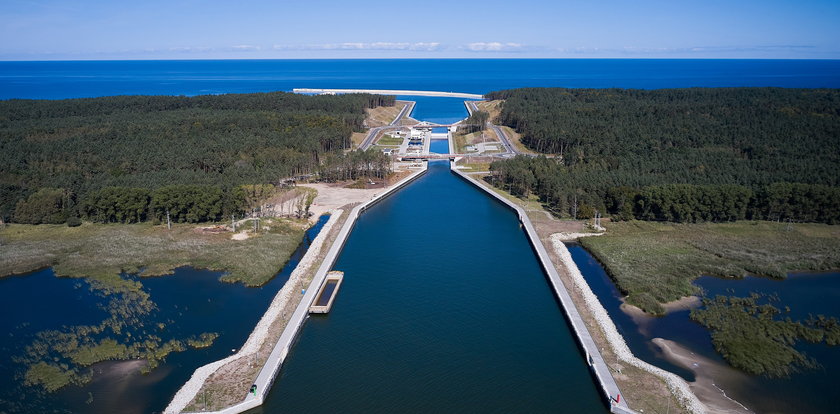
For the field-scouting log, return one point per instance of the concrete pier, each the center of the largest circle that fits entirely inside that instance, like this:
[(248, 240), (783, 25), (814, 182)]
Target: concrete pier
[(599, 369)]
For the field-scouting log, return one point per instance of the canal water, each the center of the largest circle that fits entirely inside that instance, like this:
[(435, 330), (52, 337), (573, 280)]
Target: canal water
[(805, 294), (439, 146), (438, 110), (443, 308), (188, 302)]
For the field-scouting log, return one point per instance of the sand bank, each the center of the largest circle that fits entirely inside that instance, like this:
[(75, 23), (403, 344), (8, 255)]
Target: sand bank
[(705, 371)]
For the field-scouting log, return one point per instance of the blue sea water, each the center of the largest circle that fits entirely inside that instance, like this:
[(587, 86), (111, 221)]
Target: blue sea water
[(79, 79), (74, 79)]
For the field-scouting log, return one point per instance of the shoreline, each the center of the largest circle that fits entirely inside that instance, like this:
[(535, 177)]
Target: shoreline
[(399, 92), (705, 371), (678, 386), (681, 304), (190, 390)]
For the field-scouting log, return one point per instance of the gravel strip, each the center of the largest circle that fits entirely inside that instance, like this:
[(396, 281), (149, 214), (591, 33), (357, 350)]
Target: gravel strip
[(679, 387), (258, 336)]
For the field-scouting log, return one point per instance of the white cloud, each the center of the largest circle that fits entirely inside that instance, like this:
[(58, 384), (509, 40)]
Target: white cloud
[(420, 46), (494, 47), (245, 48), (188, 49)]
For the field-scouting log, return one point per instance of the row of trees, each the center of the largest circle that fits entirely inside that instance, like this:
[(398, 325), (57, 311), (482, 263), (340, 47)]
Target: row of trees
[(184, 203), (80, 147), (552, 182), (356, 164), (476, 122), (620, 150), (747, 136)]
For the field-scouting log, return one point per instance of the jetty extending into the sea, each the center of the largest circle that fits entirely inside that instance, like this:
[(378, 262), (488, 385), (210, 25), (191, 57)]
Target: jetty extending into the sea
[(390, 92)]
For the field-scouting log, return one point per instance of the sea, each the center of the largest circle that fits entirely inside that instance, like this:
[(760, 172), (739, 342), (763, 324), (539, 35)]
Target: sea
[(82, 79)]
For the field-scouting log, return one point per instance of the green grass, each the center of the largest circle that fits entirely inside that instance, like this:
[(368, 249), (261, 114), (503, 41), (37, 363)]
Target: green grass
[(99, 253), (107, 349), (475, 167), (757, 337), (654, 263), (389, 140), (51, 377), (102, 251)]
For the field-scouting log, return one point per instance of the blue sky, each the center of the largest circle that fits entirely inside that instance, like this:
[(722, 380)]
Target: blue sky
[(246, 29)]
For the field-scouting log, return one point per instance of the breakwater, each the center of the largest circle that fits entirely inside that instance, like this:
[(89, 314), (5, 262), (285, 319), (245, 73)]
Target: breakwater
[(399, 92)]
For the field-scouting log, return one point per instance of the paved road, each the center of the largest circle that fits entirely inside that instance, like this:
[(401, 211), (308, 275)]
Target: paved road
[(406, 111), (395, 124), (509, 148)]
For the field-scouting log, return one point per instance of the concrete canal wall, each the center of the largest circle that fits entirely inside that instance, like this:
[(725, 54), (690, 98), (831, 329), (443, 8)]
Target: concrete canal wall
[(268, 373), (598, 367)]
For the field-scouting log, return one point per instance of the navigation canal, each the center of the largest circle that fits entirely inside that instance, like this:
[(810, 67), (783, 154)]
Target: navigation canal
[(443, 308)]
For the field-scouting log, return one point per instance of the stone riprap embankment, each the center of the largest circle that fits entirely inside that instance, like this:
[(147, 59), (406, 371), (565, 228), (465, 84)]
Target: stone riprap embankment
[(677, 385), (258, 336)]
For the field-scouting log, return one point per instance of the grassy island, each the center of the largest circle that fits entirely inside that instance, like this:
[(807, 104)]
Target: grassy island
[(654, 263)]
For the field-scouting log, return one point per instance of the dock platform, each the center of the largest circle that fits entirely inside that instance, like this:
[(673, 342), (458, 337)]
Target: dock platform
[(326, 295)]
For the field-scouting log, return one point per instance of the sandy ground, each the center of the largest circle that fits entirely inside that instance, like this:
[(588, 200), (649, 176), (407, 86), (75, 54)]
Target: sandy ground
[(331, 197), (574, 236), (705, 371), (335, 195), (242, 235), (643, 319)]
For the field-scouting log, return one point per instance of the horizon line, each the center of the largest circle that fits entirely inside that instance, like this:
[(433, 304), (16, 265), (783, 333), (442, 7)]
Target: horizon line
[(408, 58)]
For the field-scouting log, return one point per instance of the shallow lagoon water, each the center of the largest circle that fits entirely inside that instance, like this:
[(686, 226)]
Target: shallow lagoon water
[(189, 302), (809, 391)]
